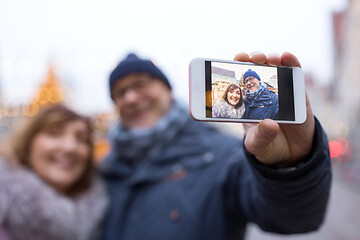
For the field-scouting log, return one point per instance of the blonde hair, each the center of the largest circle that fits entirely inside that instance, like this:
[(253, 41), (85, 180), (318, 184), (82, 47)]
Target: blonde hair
[(17, 149)]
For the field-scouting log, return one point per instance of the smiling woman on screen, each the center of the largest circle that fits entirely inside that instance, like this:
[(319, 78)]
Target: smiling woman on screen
[(230, 104)]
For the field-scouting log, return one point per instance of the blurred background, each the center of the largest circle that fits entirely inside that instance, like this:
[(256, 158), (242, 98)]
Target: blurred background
[(63, 51)]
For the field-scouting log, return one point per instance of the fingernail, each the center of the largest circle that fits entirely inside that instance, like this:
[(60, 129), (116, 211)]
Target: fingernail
[(273, 54), (254, 53)]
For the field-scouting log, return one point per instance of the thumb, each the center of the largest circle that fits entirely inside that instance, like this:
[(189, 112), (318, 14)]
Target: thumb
[(259, 139)]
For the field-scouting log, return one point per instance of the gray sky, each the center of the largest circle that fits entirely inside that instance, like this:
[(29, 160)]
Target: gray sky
[(84, 39)]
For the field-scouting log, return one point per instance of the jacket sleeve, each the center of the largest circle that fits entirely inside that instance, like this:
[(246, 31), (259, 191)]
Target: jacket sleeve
[(283, 200), (275, 100)]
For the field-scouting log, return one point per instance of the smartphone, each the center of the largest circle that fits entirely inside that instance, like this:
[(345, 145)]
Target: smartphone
[(232, 91)]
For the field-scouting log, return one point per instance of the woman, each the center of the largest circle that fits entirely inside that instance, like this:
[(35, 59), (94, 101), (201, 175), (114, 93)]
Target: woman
[(230, 104), (48, 186)]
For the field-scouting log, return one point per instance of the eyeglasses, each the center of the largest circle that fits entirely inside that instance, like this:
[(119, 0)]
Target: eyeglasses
[(139, 85), (248, 79)]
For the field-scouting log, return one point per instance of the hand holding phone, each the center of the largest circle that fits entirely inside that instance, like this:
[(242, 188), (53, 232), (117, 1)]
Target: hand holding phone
[(278, 144)]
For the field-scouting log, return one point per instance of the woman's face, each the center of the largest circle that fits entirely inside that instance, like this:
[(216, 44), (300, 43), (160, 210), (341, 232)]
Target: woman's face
[(59, 155), (234, 96)]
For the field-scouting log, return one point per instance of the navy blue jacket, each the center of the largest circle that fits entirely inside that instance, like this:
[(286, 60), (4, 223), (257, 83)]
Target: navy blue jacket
[(264, 106), (204, 186)]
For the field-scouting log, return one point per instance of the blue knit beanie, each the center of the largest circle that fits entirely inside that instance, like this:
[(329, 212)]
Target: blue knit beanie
[(133, 64), (250, 73)]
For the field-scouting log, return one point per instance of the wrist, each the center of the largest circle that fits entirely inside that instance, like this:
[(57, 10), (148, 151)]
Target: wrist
[(293, 169)]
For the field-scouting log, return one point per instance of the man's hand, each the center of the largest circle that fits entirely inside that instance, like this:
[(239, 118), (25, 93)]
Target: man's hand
[(278, 144)]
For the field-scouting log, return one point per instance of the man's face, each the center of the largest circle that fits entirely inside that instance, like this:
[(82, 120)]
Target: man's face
[(252, 83), (141, 99)]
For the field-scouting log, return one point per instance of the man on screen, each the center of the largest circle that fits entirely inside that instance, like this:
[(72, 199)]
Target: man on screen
[(260, 102)]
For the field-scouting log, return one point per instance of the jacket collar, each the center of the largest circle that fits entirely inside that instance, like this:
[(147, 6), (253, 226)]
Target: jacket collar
[(187, 151)]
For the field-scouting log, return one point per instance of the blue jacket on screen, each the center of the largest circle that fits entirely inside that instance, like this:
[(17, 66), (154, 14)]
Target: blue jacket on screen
[(205, 186), (264, 106)]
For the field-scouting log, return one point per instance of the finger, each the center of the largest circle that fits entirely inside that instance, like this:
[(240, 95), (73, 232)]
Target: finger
[(273, 59), (258, 58), (308, 108), (309, 125), (259, 139), (288, 59), (242, 57)]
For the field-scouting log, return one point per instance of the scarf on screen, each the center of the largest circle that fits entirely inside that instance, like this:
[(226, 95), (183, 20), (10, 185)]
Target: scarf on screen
[(254, 95), (222, 109), (134, 145)]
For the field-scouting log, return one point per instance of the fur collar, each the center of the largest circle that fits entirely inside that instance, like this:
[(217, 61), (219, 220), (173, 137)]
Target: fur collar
[(222, 109), (30, 209)]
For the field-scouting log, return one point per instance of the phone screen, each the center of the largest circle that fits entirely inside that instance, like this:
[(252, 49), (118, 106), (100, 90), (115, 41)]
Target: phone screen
[(242, 91)]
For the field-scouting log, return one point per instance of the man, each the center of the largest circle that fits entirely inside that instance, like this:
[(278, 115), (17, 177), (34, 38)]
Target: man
[(260, 103), (170, 177)]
